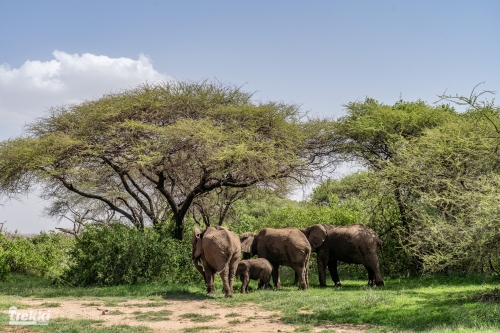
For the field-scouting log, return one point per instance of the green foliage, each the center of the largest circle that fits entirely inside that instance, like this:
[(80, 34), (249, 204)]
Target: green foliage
[(267, 210), (372, 198), (371, 132), (248, 212), (45, 254), (156, 148), (449, 179), (4, 266), (307, 215), (118, 254), (456, 198)]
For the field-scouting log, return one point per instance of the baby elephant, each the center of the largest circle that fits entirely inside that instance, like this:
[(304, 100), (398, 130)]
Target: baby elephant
[(255, 269)]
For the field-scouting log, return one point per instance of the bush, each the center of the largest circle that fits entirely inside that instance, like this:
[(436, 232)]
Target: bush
[(118, 254), (41, 255), (300, 216), (4, 267)]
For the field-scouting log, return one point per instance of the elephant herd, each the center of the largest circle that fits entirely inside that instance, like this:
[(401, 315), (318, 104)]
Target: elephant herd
[(218, 250)]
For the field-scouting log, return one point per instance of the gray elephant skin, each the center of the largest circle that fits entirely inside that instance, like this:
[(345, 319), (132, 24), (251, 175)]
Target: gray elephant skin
[(219, 250), (254, 269), (353, 244), (288, 247)]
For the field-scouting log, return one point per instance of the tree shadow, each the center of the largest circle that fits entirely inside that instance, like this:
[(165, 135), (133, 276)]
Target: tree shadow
[(420, 312)]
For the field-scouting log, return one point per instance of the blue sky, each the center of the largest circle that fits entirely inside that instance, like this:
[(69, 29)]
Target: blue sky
[(320, 54)]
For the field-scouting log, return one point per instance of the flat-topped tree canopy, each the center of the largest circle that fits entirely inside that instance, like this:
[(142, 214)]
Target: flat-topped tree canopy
[(147, 153)]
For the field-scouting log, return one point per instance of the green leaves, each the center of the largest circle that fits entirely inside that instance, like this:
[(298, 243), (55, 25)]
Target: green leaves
[(41, 255), (118, 254), (149, 152)]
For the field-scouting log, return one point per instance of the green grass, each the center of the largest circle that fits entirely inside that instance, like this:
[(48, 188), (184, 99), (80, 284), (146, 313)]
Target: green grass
[(146, 305), (50, 304), (436, 304), (63, 325), (92, 304), (115, 312), (198, 329), (198, 318), (153, 315), (37, 287)]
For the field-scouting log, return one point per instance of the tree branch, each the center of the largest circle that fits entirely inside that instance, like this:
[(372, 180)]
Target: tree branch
[(114, 207)]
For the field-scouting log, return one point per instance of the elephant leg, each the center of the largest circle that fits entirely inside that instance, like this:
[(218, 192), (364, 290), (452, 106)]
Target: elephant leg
[(224, 274), (233, 266), (379, 282), (377, 277), (261, 280), (262, 284), (209, 279), (307, 274), (306, 271), (242, 279), (264, 279), (245, 279), (296, 279), (332, 267), (199, 267), (322, 263), (371, 276), (276, 276), (301, 271)]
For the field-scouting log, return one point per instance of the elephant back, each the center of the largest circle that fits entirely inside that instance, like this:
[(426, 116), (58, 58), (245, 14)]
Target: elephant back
[(283, 246), (353, 243), (220, 244)]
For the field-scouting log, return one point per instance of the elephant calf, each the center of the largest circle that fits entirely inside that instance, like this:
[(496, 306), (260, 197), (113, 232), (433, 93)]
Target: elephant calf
[(288, 247), (255, 269)]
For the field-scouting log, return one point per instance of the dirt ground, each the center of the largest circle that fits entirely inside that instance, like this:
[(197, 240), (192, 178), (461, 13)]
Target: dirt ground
[(177, 315)]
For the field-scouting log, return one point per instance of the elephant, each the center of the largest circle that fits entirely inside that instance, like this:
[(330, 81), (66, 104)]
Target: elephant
[(219, 250), (286, 246), (353, 244), (255, 269)]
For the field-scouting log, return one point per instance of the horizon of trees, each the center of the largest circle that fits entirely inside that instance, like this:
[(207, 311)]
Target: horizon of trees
[(175, 154)]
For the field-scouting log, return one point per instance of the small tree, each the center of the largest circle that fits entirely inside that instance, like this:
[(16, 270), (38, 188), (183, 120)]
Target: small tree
[(372, 133), (454, 173)]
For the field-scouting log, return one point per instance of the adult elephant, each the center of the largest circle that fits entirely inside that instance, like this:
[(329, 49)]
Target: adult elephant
[(288, 247), (219, 250), (353, 244)]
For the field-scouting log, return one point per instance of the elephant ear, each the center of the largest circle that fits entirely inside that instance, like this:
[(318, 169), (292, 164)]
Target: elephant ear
[(316, 235), (196, 243), (246, 240)]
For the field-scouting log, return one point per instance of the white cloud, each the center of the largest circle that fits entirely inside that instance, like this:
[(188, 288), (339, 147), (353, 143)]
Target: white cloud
[(26, 92)]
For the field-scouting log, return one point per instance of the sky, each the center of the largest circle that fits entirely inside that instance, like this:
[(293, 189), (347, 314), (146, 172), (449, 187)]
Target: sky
[(319, 54)]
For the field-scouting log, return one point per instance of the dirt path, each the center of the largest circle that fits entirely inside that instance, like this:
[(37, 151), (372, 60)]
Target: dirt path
[(177, 315)]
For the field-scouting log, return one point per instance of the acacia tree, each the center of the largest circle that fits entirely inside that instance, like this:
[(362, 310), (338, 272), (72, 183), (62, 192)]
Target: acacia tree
[(147, 153), (454, 170), (372, 133)]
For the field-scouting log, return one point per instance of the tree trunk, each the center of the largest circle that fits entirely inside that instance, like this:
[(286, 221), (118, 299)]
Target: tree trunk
[(402, 210), (179, 227)]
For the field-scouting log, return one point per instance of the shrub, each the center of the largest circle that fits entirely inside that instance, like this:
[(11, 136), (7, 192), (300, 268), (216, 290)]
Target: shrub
[(300, 216), (41, 255), (4, 266), (118, 254)]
